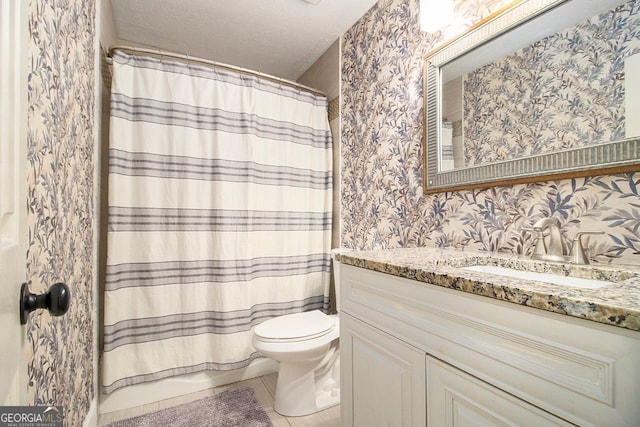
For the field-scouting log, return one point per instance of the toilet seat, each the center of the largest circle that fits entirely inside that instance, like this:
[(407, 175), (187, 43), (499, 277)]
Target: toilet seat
[(295, 327)]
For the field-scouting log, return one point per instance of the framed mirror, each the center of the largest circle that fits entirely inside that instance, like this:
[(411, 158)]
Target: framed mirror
[(544, 89)]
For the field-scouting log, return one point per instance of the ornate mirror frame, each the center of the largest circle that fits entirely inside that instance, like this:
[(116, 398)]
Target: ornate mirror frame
[(608, 158)]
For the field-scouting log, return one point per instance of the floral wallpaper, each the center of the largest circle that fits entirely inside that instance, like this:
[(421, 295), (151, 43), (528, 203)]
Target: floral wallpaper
[(382, 202), (564, 91), (60, 201)]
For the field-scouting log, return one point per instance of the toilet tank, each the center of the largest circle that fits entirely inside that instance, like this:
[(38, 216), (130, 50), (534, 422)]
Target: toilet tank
[(336, 273)]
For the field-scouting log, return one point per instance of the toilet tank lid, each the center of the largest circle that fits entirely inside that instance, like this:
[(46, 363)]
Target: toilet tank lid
[(310, 324)]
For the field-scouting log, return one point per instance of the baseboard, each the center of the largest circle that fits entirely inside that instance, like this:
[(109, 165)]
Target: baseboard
[(142, 394), (91, 420)]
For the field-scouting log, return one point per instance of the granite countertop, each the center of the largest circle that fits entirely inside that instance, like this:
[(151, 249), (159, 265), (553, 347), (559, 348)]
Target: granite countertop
[(616, 304)]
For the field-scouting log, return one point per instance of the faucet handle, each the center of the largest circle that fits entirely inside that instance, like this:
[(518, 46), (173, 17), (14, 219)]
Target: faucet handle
[(578, 255), (541, 247)]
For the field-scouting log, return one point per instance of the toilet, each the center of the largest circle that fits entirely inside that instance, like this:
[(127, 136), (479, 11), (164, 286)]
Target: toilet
[(306, 345)]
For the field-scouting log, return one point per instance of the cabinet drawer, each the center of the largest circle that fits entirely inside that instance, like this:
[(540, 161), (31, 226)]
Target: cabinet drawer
[(582, 371)]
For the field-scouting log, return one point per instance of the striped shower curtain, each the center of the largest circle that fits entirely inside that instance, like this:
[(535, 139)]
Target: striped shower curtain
[(219, 215)]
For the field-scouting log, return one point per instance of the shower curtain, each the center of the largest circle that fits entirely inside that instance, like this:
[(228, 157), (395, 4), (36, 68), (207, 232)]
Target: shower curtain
[(219, 215)]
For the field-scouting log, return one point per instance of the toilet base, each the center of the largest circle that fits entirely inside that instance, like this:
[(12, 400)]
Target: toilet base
[(319, 401), (303, 390)]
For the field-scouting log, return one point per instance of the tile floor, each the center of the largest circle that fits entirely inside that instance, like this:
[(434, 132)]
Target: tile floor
[(264, 388)]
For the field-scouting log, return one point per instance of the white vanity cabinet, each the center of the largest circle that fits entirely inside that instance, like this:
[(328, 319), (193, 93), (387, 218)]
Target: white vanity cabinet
[(459, 399), (385, 375), (414, 354)]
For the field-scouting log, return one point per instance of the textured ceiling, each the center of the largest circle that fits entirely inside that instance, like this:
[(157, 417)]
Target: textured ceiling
[(279, 37)]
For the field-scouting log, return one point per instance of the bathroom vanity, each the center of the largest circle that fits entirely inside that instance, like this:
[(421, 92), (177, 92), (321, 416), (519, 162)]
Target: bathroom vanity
[(425, 341)]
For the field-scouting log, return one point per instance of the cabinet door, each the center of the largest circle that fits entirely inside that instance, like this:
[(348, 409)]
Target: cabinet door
[(456, 398), (382, 378)]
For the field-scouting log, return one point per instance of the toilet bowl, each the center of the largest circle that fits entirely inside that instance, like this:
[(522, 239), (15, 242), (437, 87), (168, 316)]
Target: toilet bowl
[(306, 345)]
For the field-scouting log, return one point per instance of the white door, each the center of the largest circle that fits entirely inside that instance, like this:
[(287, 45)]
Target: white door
[(13, 198), (382, 378), (457, 399)]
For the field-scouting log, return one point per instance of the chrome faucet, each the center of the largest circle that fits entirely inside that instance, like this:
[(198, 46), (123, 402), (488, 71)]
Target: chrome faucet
[(555, 250)]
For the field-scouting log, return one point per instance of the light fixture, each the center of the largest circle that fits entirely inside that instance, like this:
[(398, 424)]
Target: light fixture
[(313, 2), (435, 14)]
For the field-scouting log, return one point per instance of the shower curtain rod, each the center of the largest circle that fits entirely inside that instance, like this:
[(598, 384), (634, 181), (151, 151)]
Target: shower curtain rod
[(188, 58)]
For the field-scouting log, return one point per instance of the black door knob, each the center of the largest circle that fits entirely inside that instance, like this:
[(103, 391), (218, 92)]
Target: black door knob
[(56, 300)]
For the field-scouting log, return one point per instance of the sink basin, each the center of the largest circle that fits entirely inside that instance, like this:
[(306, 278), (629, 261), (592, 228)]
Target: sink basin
[(576, 282)]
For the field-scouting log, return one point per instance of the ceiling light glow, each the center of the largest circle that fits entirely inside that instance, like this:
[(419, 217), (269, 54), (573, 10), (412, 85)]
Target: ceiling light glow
[(435, 14)]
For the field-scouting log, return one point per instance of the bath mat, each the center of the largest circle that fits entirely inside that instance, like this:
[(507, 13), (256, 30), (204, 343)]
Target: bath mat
[(237, 407)]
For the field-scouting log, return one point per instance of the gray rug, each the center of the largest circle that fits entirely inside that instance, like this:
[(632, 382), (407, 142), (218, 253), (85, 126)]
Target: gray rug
[(237, 407)]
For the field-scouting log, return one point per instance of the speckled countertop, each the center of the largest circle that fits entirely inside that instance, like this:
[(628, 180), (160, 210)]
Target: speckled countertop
[(616, 304)]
